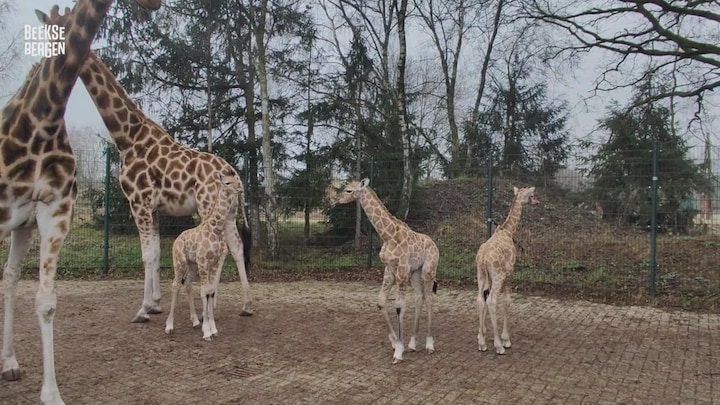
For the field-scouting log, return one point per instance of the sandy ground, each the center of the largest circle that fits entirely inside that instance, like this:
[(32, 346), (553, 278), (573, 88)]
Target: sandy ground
[(325, 342)]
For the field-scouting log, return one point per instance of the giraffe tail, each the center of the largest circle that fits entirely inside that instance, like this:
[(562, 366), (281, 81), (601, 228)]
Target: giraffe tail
[(246, 237), (484, 282), (434, 287)]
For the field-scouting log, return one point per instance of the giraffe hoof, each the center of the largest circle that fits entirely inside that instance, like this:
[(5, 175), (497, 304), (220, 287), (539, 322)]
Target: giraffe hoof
[(168, 331), (430, 345), (500, 350), (507, 344), (396, 360), (482, 348), (246, 312), (141, 319), (12, 374), (154, 311)]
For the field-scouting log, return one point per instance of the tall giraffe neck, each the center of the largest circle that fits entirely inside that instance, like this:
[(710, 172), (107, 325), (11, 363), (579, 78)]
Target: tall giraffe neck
[(383, 222), (513, 218), (48, 85), (120, 114), (226, 197)]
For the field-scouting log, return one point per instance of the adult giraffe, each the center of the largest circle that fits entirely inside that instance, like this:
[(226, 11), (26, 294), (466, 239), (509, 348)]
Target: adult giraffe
[(159, 175), (37, 178)]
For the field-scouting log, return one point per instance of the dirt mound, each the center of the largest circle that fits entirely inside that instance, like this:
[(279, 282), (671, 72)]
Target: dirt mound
[(566, 249), (456, 208)]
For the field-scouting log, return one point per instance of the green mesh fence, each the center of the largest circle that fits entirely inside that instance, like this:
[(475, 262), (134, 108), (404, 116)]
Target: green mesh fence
[(589, 236)]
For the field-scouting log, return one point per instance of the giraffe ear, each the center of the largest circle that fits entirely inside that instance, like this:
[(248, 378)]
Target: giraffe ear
[(42, 17), (515, 190), (364, 183), (531, 190)]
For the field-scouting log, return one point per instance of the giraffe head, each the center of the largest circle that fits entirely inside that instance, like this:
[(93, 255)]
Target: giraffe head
[(230, 185), (526, 195), (55, 18), (352, 191)]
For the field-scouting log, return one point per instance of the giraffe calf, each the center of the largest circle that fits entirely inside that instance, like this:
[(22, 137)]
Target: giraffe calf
[(202, 250)]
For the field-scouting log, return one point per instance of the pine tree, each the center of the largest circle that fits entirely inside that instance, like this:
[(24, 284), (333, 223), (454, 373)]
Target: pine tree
[(622, 166)]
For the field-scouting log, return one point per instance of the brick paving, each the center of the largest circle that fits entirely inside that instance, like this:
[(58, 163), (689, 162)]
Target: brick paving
[(325, 342)]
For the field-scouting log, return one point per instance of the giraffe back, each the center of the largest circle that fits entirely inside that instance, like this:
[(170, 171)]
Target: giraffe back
[(156, 170), (497, 251), (409, 251)]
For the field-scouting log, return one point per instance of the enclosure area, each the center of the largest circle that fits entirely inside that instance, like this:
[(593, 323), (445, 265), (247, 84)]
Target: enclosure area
[(325, 342), (590, 237), (317, 337)]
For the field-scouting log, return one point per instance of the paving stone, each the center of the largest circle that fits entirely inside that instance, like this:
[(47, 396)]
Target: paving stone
[(325, 342)]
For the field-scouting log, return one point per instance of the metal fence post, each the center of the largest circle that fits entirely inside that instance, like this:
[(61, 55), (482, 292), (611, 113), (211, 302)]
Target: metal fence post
[(367, 221), (488, 203), (653, 218), (106, 213), (246, 180)]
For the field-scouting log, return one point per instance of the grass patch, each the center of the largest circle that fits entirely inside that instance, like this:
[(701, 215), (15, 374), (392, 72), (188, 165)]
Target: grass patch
[(562, 252)]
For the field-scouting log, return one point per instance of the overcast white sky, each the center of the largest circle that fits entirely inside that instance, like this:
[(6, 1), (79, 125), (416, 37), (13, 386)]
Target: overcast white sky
[(81, 112)]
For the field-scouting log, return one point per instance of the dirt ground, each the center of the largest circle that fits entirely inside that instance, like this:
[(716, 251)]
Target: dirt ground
[(325, 342)]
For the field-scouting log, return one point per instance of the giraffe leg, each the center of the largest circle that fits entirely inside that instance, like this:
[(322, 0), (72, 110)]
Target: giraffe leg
[(235, 244), (53, 228), (430, 287), (148, 229), (483, 292), (400, 311), (207, 310), (505, 336), (192, 269), (417, 285), (388, 282), (177, 283), (218, 274), (211, 313), (492, 308), (19, 245), (428, 298)]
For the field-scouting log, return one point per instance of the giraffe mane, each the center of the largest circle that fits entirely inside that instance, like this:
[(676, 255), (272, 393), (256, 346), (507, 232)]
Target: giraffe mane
[(33, 71), (512, 204)]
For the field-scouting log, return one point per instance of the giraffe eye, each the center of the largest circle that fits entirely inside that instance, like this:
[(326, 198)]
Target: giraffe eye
[(348, 191)]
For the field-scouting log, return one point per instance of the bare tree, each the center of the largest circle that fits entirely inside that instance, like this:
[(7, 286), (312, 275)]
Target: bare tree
[(475, 116), (377, 23), (258, 18), (658, 36), (448, 23), (246, 75), (10, 49), (401, 101), (355, 83)]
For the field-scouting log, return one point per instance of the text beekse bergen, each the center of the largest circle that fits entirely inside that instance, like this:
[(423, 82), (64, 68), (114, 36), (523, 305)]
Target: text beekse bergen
[(44, 40)]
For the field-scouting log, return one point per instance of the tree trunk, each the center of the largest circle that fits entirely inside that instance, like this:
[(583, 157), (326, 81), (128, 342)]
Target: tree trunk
[(266, 148), (246, 80), (358, 164), (481, 88), (408, 175), (449, 60)]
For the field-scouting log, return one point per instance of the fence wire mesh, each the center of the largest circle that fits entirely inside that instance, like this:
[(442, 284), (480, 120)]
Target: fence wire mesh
[(589, 236)]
